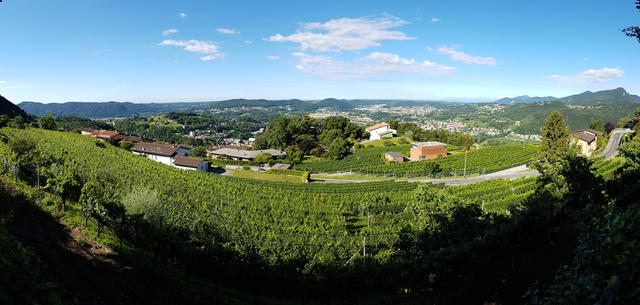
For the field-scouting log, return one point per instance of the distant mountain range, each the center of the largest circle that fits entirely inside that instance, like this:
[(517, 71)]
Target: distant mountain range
[(584, 98), (125, 109), (8, 108), (97, 110), (524, 99)]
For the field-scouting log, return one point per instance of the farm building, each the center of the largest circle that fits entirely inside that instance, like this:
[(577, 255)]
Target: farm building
[(427, 150), (394, 156), (586, 139), (380, 131), (243, 154)]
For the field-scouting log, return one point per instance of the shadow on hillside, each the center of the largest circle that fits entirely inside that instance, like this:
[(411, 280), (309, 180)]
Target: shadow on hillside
[(83, 273)]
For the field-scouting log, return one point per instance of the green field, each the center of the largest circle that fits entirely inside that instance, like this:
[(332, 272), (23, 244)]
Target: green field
[(371, 161)]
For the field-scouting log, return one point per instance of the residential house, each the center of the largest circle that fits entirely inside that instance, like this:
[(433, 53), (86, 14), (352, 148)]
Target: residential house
[(87, 131), (183, 162), (227, 153), (104, 134), (394, 156), (427, 150), (587, 140), (163, 153), (380, 131), (281, 166)]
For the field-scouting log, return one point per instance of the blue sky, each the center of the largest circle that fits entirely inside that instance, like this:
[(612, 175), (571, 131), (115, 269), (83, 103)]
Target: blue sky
[(157, 51)]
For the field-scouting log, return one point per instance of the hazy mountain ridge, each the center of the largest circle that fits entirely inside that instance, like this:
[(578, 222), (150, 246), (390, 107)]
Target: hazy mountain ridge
[(97, 110), (524, 99)]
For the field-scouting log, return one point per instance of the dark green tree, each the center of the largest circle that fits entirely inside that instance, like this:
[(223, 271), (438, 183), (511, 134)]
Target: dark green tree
[(555, 138), (48, 122), (338, 149), (596, 125)]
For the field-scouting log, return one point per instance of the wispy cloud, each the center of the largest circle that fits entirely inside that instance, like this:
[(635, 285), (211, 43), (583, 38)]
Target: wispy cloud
[(434, 19), (228, 31), (466, 58), (182, 15), (345, 33), (273, 57), (2, 82), (429, 49), (196, 46), (590, 76), (374, 64), (169, 32), (248, 41)]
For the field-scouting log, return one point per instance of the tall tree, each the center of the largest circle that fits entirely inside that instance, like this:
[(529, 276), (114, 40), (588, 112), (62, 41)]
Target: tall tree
[(555, 138)]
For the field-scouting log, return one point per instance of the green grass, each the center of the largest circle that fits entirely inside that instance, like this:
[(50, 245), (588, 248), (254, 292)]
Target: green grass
[(351, 177), (287, 172), (247, 174)]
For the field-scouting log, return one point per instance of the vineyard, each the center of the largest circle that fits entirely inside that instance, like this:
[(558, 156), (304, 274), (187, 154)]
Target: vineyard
[(606, 168), (297, 228), (371, 161), (497, 195)]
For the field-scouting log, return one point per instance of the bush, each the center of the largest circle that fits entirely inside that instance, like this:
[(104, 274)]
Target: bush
[(127, 145)]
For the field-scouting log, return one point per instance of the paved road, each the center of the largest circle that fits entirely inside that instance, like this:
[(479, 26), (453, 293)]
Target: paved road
[(511, 173), (612, 147)]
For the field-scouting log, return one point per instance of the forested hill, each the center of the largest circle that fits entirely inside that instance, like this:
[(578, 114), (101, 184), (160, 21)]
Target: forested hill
[(236, 103), (96, 110), (524, 99), (8, 108), (532, 116), (599, 97)]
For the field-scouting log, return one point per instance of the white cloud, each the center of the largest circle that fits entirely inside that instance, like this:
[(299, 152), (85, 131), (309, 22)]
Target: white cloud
[(466, 58), (169, 32), (590, 76), (2, 82), (429, 49), (376, 63), (196, 46), (345, 33), (182, 15), (585, 59), (228, 31), (434, 19), (248, 41), (273, 57)]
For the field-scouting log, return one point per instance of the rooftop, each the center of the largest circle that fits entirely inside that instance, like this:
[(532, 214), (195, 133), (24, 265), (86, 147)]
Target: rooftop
[(246, 154), (587, 135), (395, 154), (430, 143), (376, 126), (187, 162), (155, 149)]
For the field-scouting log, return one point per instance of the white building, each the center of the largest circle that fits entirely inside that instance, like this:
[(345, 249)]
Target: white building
[(190, 163), (162, 153), (380, 131)]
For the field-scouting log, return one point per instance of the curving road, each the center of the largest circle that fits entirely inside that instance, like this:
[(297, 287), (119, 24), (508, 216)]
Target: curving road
[(510, 173), (616, 138)]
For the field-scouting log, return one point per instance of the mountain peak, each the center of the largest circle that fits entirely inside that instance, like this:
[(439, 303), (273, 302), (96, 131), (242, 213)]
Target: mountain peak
[(10, 109)]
